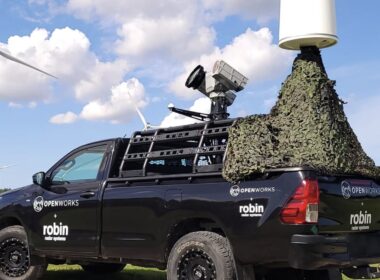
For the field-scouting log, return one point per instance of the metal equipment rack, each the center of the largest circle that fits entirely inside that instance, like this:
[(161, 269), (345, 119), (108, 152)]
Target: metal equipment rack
[(196, 148)]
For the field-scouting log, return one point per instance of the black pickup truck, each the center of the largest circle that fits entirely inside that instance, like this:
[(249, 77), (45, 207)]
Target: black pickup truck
[(159, 199)]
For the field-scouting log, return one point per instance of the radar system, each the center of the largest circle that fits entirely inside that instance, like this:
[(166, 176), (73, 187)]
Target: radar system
[(220, 86)]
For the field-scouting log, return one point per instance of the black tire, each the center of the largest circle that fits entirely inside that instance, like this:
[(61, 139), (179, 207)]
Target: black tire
[(103, 268), (14, 256), (201, 255)]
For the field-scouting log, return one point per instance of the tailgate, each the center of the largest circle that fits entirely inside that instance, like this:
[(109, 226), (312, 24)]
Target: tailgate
[(348, 205)]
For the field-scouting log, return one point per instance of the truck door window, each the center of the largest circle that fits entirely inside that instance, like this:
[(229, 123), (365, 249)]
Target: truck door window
[(81, 166)]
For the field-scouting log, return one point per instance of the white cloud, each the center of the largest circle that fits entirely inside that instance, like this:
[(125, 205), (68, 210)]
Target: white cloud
[(120, 106), (15, 105), (262, 10), (65, 53), (176, 29), (253, 53), (19, 84), (123, 10), (99, 79), (65, 118), (60, 52), (175, 37), (178, 33), (171, 29), (201, 105), (117, 107)]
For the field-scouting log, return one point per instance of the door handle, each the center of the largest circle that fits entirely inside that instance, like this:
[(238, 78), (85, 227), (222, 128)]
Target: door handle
[(87, 194)]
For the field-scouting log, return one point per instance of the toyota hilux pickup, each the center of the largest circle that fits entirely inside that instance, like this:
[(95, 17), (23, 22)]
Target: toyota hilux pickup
[(158, 199)]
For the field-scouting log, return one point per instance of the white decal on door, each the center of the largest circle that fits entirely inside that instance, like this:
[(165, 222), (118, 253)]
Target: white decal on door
[(55, 232), (40, 203), (251, 210)]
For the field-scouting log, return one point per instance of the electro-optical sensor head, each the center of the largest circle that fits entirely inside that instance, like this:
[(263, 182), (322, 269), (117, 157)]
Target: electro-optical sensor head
[(196, 78)]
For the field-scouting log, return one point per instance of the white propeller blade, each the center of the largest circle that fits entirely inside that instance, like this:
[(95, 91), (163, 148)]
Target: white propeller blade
[(6, 166), (24, 63), (146, 124), (142, 117)]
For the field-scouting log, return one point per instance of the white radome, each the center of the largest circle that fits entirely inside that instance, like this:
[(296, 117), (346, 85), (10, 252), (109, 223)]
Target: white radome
[(307, 23)]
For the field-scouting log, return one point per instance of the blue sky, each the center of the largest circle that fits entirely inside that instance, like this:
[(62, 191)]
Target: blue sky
[(112, 55)]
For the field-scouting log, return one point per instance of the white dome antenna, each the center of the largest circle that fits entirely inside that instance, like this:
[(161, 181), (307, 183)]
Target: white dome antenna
[(307, 23)]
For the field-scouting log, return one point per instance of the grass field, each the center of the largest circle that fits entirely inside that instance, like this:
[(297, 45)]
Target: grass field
[(74, 272)]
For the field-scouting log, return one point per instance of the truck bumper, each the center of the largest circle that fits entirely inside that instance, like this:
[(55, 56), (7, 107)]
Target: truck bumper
[(320, 251)]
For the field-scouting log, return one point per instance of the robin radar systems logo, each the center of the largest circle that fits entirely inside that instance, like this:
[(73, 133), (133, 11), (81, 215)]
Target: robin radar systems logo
[(56, 231), (251, 210), (361, 220)]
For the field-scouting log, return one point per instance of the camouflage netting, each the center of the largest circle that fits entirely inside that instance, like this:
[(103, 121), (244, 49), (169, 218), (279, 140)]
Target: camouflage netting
[(306, 127)]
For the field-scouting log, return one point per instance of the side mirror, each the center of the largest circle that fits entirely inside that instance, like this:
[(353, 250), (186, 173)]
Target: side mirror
[(40, 180)]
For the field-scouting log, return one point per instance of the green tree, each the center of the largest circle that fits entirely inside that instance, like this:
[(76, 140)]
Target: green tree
[(4, 190)]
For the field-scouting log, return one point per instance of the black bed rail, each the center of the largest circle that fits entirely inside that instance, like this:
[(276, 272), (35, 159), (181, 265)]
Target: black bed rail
[(189, 149)]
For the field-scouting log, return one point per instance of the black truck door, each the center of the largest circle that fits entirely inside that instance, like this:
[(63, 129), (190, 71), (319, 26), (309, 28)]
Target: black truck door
[(131, 221), (66, 217)]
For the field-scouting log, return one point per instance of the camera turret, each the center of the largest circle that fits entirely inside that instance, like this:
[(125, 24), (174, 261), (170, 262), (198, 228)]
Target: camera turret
[(220, 86)]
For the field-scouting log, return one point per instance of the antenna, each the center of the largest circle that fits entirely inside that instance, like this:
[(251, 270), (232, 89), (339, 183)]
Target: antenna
[(307, 24), (191, 114), (14, 59)]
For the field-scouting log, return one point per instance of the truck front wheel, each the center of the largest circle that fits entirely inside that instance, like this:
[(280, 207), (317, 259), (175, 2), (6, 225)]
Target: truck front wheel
[(14, 256), (201, 255)]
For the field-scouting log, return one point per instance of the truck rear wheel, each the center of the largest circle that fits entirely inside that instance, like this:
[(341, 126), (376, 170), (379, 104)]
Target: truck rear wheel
[(103, 268), (201, 255), (14, 256)]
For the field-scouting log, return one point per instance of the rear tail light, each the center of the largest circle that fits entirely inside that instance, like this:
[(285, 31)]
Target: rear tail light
[(303, 206)]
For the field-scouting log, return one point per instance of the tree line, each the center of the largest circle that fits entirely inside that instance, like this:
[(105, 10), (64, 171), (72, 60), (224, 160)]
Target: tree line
[(4, 190)]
